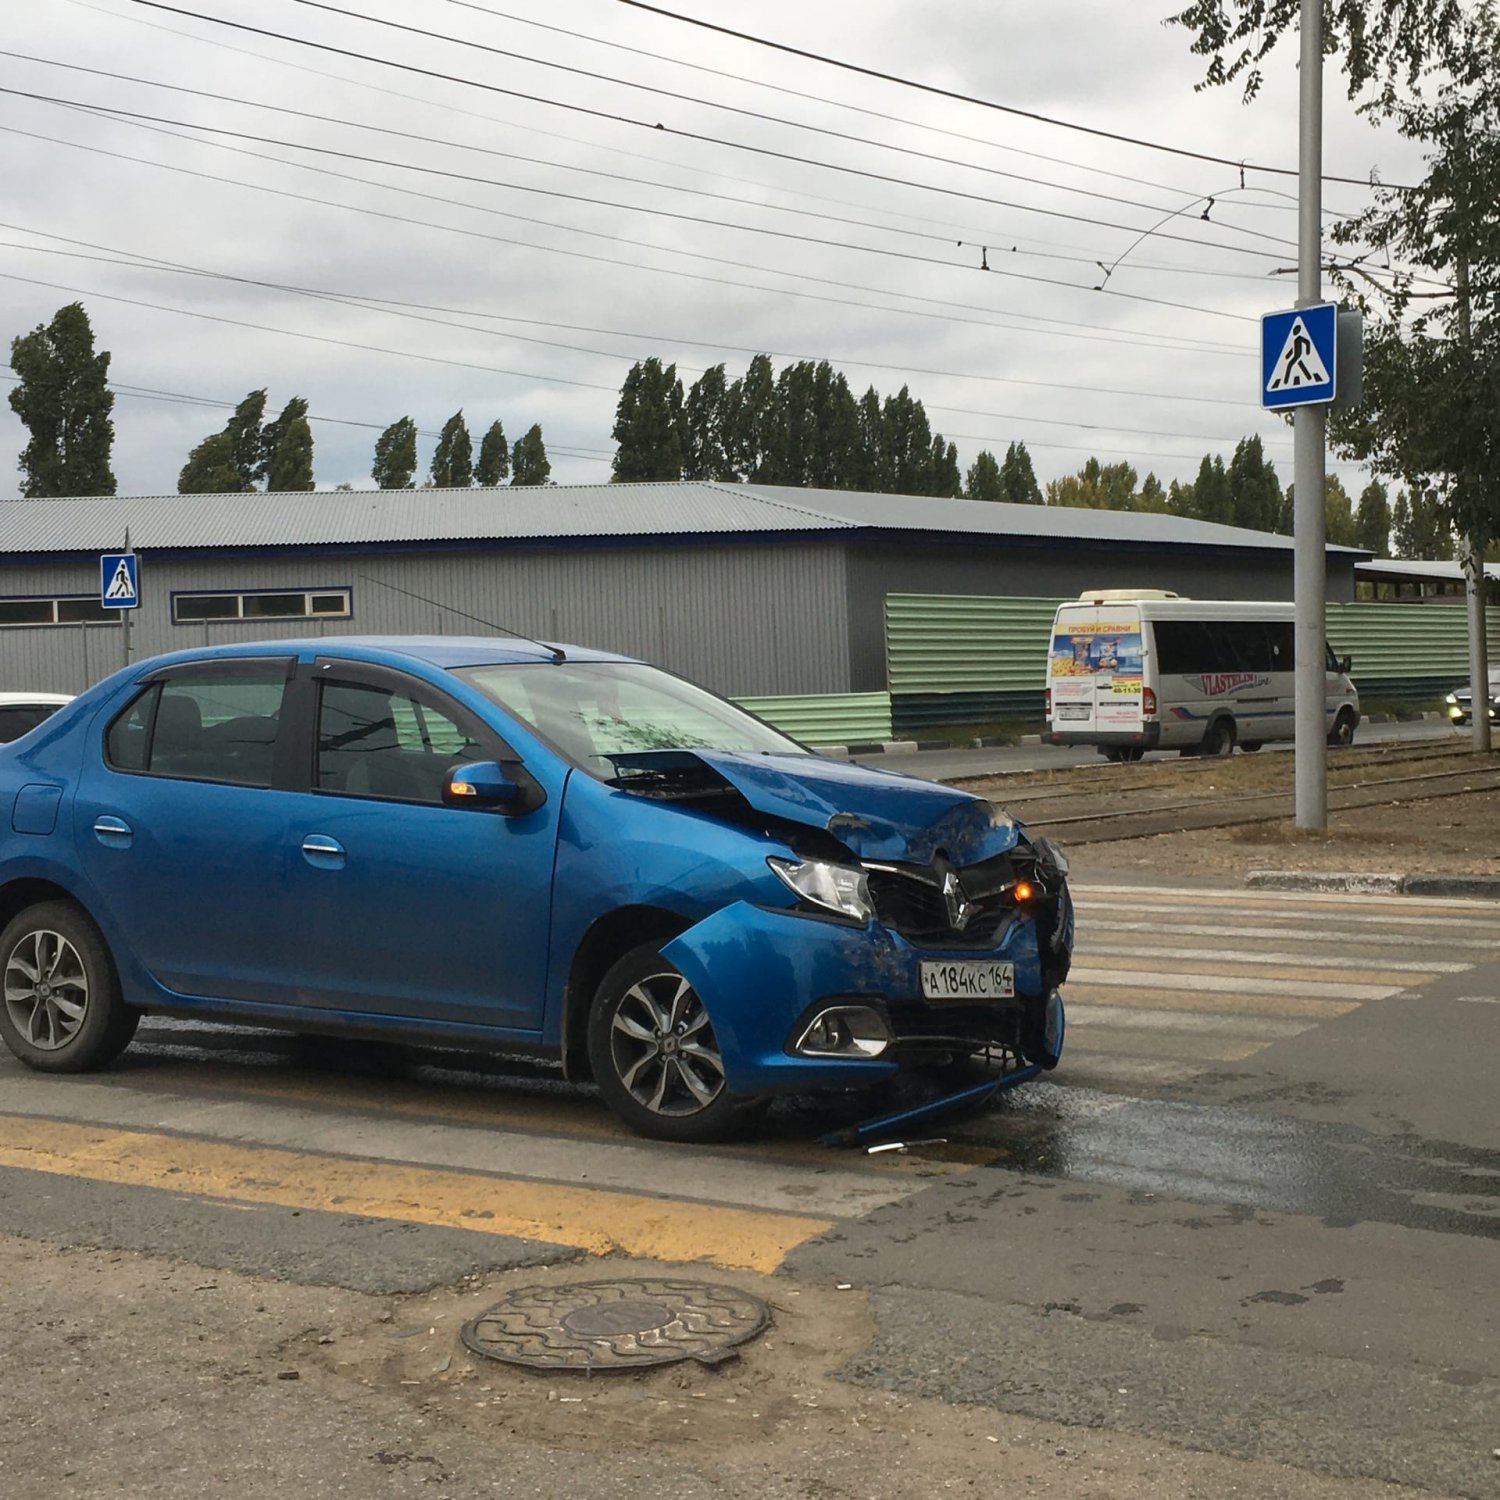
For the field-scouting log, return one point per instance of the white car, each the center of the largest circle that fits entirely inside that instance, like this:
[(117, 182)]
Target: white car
[(1459, 704), (20, 712)]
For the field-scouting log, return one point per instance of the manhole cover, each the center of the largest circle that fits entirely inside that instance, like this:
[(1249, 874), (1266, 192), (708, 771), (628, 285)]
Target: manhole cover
[(617, 1325)]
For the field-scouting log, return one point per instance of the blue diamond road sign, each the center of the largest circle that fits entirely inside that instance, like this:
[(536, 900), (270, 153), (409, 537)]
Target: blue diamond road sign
[(1298, 356), (119, 580)]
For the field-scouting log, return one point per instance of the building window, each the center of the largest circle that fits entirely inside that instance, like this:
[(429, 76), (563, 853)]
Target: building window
[(262, 604), (66, 610)]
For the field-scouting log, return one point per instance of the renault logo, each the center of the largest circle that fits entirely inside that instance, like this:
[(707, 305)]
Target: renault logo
[(959, 909)]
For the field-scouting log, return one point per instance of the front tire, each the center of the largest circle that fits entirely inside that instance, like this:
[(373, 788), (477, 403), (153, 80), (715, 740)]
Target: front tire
[(654, 1053), (1342, 734), (61, 1010)]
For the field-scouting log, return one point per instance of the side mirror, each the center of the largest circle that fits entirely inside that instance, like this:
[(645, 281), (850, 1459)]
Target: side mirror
[(1346, 665), (480, 783)]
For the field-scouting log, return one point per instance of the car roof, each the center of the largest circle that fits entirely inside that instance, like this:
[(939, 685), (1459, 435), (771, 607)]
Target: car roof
[(446, 651), (13, 700)]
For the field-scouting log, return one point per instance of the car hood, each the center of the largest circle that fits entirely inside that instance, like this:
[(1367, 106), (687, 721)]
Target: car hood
[(877, 815)]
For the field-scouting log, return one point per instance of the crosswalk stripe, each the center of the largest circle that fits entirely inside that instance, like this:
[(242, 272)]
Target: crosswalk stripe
[(704, 1176), (1252, 896), (1246, 1002), (1255, 969), (1420, 969), (1085, 1016), (1180, 1045), (1284, 912), (1115, 1073), (596, 1220), (1214, 983), (1323, 936)]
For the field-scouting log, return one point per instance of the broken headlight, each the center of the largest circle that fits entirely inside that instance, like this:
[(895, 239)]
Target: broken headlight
[(840, 889)]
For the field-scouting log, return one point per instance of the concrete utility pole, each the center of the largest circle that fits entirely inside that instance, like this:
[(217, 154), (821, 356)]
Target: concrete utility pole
[(1311, 424), (1474, 585)]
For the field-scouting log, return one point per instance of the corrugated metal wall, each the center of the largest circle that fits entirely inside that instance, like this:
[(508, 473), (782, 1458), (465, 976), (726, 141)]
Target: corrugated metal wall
[(966, 658), (743, 620), (1407, 650), (830, 718)]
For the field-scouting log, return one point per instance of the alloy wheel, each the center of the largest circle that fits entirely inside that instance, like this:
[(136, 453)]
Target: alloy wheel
[(663, 1047), (46, 989)]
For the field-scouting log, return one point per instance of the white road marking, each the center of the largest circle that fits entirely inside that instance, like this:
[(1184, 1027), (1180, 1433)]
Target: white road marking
[(1311, 989), (1323, 936), (1260, 956), (1268, 1028)]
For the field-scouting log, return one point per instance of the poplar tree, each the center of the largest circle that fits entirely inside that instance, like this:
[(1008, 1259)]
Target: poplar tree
[(1018, 478), (1372, 520), (528, 459), (291, 466), (705, 424), (271, 436), (983, 479), (210, 469), (453, 461), (648, 424), (63, 398), (395, 465), (494, 458)]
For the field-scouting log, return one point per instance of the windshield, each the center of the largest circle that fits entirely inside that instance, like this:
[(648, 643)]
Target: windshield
[(592, 710)]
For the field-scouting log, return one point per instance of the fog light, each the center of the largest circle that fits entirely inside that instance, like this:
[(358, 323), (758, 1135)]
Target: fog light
[(844, 1031)]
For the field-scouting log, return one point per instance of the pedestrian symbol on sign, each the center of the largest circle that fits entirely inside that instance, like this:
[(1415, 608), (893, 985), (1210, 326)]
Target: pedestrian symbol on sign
[(122, 585), (119, 581), (1299, 363)]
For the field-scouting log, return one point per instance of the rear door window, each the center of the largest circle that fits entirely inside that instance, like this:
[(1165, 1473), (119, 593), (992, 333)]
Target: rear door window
[(203, 728)]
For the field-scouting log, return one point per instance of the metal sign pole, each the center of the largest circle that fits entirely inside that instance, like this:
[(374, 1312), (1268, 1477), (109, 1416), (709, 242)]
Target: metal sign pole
[(125, 622), (1311, 422)]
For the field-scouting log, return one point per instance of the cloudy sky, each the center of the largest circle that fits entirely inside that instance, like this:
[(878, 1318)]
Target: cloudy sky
[(509, 237)]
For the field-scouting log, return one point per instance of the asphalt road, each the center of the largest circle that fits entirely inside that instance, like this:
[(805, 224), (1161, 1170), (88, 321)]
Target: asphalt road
[(950, 765), (1242, 1241)]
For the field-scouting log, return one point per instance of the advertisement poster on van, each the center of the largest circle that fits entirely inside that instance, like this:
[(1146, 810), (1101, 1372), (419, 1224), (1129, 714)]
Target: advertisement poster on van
[(1095, 672)]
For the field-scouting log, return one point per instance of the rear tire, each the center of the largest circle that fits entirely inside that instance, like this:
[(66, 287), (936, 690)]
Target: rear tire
[(61, 1010), (1218, 738), (655, 1056), (1250, 746)]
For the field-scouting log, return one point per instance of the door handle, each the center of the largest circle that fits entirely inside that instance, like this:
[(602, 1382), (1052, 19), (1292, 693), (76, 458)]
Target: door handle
[(112, 832), (322, 852)]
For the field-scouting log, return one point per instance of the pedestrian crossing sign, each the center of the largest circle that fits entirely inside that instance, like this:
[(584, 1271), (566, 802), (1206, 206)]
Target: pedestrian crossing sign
[(1298, 356), (119, 581)]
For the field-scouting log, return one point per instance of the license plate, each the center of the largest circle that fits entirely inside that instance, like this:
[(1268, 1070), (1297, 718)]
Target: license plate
[(968, 979), (1070, 710)]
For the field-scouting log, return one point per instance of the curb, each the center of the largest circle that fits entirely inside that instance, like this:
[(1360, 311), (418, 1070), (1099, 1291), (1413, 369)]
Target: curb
[(1375, 883)]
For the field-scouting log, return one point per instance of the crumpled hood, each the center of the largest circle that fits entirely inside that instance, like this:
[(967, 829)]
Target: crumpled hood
[(876, 814)]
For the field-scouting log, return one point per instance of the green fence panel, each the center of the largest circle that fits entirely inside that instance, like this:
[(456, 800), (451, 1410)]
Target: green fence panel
[(1406, 646), (829, 718), (980, 648), (967, 643)]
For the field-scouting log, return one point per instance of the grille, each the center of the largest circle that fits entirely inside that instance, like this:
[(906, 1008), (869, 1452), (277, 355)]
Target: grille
[(909, 900)]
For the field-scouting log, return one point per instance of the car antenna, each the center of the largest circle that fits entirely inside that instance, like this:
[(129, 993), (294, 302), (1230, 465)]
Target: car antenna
[(558, 654)]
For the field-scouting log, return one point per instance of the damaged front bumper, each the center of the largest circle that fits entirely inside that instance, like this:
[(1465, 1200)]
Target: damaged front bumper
[(770, 977)]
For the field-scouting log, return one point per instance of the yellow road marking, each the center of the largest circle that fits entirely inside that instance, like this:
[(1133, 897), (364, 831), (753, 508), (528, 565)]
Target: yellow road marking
[(591, 1219), (505, 1107)]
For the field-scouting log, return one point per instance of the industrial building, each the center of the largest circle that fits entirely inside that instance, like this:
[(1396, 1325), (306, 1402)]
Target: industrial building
[(806, 603)]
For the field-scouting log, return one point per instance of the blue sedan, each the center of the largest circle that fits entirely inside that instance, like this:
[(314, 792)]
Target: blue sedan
[(517, 846)]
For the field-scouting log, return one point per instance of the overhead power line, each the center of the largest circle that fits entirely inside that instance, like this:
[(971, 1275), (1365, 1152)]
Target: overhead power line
[(1008, 109), (112, 112), (316, 338), (752, 114), (940, 309), (658, 126), (993, 239), (389, 306)]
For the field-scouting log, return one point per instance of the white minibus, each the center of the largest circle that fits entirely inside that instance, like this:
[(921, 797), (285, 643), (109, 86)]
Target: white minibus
[(1137, 670)]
